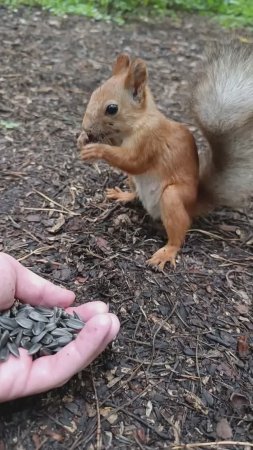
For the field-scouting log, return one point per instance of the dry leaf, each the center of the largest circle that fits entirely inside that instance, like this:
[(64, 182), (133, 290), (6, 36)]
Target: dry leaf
[(164, 325), (36, 440), (223, 429), (113, 382), (80, 280), (72, 428), (91, 410), (109, 415), (239, 401), (54, 435), (242, 308), (110, 374), (243, 346), (226, 227), (58, 224), (195, 402), (103, 245), (149, 408), (141, 435), (121, 219)]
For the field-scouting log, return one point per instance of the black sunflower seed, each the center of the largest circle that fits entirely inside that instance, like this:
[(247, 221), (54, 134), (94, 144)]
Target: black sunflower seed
[(27, 332), (13, 349), (61, 332), (35, 315), (25, 322), (50, 326), (34, 348), (47, 312), (4, 339), (27, 345), (38, 327), (40, 330), (19, 338), (77, 324), (44, 351), (8, 323), (4, 354), (24, 340), (39, 337), (64, 340), (14, 332), (47, 339)]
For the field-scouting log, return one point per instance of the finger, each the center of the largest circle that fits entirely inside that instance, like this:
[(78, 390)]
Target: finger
[(13, 376), (17, 281), (53, 371), (88, 310)]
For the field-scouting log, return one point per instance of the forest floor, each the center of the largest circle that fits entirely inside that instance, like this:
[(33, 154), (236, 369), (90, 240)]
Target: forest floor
[(176, 373)]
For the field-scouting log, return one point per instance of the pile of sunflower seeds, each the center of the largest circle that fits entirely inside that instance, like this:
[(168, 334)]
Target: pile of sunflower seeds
[(40, 330)]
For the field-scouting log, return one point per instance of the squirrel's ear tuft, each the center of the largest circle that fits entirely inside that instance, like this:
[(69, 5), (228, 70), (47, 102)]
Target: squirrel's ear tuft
[(136, 79), (122, 63)]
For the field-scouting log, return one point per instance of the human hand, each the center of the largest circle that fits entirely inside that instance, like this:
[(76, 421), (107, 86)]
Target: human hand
[(24, 376)]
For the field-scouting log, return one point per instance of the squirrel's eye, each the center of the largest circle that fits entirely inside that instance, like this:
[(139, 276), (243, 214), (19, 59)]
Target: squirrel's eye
[(111, 110)]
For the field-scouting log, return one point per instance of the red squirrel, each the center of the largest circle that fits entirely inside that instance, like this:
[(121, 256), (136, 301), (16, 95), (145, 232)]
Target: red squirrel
[(123, 127)]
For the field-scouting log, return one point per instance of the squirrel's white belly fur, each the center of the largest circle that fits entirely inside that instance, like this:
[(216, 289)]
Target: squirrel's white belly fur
[(148, 189)]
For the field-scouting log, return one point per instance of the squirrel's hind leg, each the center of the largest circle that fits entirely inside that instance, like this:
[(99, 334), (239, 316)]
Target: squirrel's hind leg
[(176, 220)]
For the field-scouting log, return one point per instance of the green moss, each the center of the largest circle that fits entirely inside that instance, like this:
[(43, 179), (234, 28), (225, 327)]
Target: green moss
[(230, 12)]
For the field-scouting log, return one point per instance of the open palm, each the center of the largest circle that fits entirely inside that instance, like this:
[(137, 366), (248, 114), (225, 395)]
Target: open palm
[(24, 376)]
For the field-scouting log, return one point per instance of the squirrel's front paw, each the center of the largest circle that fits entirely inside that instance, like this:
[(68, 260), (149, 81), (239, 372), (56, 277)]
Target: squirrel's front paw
[(92, 151)]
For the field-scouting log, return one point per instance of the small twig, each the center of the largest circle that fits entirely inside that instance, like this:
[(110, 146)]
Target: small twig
[(47, 209), (99, 438), (56, 203), (197, 362), (37, 251), (207, 233), (95, 255), (173, 309), (229, 261), (210, 444), (12, 174), (153, 344), (145, 362)]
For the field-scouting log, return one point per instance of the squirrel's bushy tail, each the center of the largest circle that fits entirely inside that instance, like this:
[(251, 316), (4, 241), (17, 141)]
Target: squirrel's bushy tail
[(222, 104)]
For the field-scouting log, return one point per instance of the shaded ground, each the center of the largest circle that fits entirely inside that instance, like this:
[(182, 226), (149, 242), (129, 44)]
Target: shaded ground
[(175, 370)]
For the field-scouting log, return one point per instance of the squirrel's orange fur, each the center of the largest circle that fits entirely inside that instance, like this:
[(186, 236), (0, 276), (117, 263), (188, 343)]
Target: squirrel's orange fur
[(159, 155)]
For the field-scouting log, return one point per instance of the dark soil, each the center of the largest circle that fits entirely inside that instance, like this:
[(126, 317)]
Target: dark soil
[(175, 370)]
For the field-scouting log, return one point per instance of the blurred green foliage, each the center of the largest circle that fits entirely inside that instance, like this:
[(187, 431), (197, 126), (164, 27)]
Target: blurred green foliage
[(231, 12)]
